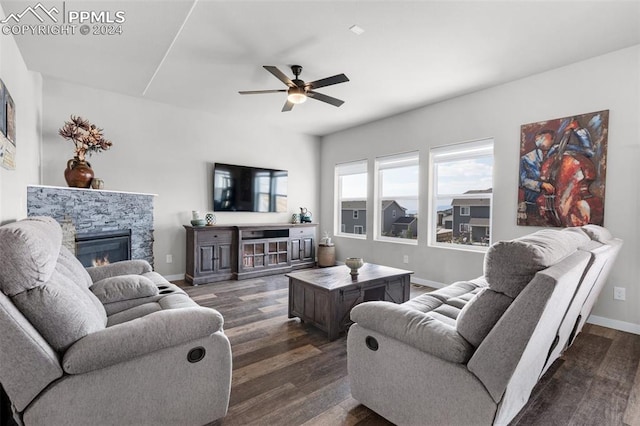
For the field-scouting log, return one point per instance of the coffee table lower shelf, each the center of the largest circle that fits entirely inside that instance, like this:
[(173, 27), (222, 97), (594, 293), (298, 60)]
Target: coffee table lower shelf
[(324, 297)]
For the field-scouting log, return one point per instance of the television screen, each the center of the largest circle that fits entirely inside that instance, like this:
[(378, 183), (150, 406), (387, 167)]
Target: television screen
[(249, 189)]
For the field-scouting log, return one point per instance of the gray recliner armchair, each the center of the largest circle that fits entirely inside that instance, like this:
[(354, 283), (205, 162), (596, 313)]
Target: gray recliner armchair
[(116, 344)]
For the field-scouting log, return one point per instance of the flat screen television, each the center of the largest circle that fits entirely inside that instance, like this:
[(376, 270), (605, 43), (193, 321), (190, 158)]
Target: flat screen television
[(249, 189)]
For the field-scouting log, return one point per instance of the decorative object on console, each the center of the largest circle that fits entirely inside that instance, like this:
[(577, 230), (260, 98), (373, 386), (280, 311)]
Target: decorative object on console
[(87, 139), (305, 215), (562, 171), (97, 183), (295, 218), (210, 218), (354, 263), (198, 222)]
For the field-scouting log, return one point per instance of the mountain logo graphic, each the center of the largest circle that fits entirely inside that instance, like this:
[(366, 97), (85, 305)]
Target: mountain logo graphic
[(36, 11)]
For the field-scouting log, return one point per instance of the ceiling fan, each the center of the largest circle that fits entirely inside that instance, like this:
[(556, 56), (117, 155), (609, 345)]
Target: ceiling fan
[(298, 90)]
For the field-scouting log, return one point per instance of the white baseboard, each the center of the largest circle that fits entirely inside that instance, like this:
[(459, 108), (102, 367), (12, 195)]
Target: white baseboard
[(615, 324), (174, 277), (428, 283)]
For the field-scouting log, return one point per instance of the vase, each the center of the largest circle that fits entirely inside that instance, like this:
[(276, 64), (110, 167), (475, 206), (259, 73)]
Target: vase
[(354, 263), (78, 173)]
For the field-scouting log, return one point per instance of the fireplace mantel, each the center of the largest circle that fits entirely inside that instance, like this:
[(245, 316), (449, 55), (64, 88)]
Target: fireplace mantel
[(66, 188), (93, 210)]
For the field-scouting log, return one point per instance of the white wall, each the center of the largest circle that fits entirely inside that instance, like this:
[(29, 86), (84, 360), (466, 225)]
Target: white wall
[(169, 151), (606, 82), (26, 90)]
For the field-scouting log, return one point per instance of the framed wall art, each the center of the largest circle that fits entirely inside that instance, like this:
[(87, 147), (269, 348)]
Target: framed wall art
[(563, 165)]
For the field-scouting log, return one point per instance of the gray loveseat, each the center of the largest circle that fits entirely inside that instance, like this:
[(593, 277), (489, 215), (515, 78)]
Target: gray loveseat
[(471, 353), (110, 345)]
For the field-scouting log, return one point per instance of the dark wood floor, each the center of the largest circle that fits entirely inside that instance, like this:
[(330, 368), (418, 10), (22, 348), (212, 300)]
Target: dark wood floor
[(287, 373)]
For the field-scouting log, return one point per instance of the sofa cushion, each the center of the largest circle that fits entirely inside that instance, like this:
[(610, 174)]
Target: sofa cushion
[(510, 265), (598, 233), (74, 268), (480, 314), (29, 251), (61, 311), (123, 287)]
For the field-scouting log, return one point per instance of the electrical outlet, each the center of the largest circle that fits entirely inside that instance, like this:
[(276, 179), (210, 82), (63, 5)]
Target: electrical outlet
[(619, 293), (405, 259), (169, 258)]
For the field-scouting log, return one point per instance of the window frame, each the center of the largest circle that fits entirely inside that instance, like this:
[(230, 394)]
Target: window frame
[(480, 148), (345, 169), (468, 213), (386, 162)]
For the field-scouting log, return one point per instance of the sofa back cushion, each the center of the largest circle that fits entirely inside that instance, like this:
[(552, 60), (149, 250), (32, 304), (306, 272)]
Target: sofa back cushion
[(510, 265), (47, 285), (480, 314), (29, 250)]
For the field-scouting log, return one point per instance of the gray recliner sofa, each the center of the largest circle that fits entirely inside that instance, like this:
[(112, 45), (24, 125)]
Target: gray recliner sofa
[(471, 353), (110, 345)]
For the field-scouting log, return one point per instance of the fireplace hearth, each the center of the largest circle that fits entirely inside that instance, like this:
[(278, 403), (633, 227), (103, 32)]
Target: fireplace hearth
[(103, 247)]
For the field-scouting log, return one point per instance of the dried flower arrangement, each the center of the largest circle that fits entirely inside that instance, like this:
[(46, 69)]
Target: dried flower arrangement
[(86, 137)]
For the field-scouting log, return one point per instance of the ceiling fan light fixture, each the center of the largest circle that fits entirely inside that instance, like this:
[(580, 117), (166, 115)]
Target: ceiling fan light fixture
[(296, 95)]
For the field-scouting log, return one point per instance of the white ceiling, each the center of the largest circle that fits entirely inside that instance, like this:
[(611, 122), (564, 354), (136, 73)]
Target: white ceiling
[(412, 53)]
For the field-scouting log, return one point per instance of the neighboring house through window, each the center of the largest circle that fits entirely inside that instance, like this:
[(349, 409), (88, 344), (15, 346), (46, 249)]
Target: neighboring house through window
[(351, 199), (462, 182), (397, 195)]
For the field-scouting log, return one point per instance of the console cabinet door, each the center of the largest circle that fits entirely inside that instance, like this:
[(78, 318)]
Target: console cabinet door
[(295, 249), (224, 257), (206, 259), (307, 248)]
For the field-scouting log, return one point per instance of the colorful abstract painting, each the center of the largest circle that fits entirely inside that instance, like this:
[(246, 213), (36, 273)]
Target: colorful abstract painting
[(563, 165)]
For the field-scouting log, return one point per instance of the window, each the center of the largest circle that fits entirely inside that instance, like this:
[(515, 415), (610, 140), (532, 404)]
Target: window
[(462, 187), (397, 197), (351, 199)]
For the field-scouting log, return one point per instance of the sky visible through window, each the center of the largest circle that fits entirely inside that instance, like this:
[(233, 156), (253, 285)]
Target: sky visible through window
[(460, 176), (454, 177), (354, 187), (402, 182)]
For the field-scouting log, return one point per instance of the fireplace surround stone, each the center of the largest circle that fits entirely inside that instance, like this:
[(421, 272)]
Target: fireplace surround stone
[(92, 210)]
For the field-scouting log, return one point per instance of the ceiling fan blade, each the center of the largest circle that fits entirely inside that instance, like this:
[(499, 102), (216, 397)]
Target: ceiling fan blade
[(279, 75), (260, 92), (324, 98), (288, 106), (340, 78)]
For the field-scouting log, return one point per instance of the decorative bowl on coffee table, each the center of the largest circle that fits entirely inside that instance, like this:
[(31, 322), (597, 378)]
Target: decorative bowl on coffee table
[(354, 263)]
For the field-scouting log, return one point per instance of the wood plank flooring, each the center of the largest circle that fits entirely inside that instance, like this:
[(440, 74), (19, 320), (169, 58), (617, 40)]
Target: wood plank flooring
[(288, 373)]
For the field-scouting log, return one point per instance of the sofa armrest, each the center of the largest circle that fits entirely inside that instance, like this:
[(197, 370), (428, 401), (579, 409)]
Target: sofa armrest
[(413, 328), (153, 332), (125, 267), (123, 287)]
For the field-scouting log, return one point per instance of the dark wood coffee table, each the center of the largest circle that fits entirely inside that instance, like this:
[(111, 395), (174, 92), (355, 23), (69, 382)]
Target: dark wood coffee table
[(324, 297)]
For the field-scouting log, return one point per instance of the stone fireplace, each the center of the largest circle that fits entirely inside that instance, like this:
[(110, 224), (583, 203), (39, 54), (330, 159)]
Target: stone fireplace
[(101, 248), (92, 213)]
